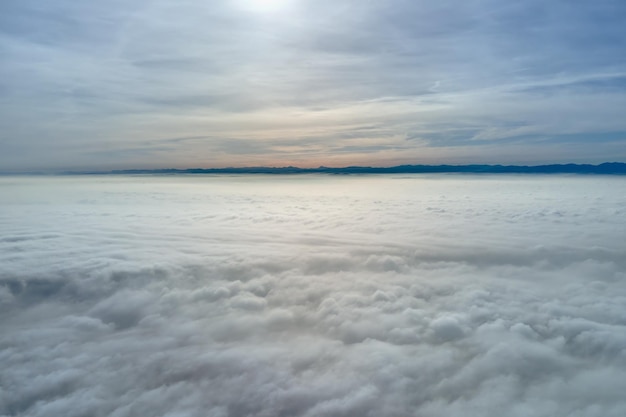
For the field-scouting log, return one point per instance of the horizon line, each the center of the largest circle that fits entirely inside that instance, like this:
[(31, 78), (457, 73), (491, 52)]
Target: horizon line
[(607, 168)]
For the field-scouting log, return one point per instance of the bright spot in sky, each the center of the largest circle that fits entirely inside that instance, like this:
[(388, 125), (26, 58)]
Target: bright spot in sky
[(264, 6)]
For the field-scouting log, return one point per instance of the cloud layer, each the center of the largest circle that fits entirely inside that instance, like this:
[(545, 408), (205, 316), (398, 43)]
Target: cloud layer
[(312, 296)]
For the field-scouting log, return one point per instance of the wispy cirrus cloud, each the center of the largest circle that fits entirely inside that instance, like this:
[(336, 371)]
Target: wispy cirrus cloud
[(78, 77)]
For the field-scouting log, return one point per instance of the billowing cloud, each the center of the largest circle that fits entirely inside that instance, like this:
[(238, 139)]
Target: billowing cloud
[(312, 296)]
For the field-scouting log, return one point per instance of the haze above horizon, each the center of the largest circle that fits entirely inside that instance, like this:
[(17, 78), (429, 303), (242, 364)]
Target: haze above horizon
[(150, 84)]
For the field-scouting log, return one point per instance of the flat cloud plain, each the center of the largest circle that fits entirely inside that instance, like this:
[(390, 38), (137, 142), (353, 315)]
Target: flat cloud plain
[(313, 295)]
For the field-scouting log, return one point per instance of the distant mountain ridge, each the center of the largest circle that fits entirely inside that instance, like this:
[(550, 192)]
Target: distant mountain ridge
[(607, 168)]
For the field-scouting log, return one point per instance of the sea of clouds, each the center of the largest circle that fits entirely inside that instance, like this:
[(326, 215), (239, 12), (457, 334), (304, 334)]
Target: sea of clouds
[(313, 296)]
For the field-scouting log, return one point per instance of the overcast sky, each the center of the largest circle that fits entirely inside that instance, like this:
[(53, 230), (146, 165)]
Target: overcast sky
[(190, 83)]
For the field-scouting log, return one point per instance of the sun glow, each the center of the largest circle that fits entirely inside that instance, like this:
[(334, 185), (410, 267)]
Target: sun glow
[(264, 6)]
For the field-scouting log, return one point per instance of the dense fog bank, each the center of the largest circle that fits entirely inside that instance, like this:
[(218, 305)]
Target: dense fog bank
[(313, 296)]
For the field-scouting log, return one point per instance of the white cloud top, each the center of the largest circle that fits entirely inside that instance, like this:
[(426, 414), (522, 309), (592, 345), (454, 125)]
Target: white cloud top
[(312, 296)]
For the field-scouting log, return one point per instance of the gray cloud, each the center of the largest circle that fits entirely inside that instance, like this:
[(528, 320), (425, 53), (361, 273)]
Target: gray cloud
[(82, 82), (312, 296)]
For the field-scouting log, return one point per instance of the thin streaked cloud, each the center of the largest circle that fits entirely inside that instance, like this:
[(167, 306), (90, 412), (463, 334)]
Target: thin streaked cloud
[(82, 82)]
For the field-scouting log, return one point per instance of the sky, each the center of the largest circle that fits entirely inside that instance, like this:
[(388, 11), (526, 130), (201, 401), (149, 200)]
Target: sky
[(313, 296), (190, 83)]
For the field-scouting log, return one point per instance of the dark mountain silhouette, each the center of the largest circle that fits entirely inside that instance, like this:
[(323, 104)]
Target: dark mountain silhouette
[(607, 168)]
